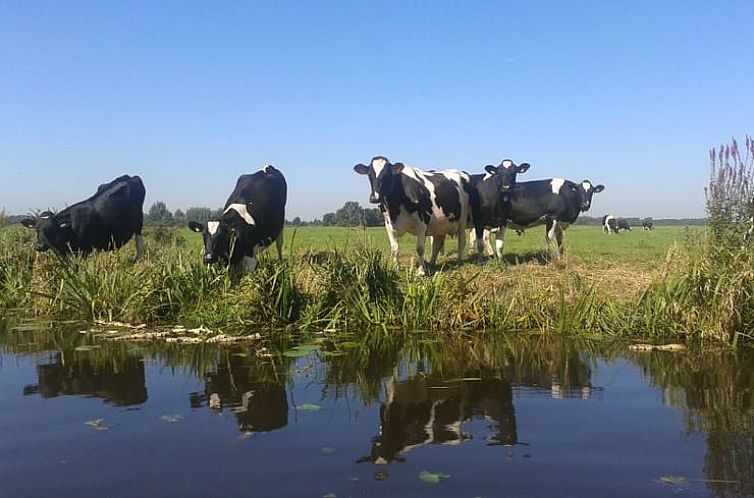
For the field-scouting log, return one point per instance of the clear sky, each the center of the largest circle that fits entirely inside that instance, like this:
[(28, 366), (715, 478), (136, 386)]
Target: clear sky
[(189, 95)]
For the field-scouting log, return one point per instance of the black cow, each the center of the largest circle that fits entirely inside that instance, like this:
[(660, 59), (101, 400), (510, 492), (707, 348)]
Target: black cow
[(434, 203), (252, 219), (647, 224), (555, 203), (106, 221), (622, 224), (489, 194)]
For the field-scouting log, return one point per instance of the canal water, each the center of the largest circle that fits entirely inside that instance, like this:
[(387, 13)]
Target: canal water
[(526, 416)]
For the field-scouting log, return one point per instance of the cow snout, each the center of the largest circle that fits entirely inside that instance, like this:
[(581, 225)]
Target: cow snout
[(209, 258), (41, 247), (374, 198)]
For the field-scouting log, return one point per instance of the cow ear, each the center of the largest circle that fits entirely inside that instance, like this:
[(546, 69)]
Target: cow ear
[(361, 169), (490, 169), (523, 167), (29, 223), (598, 189), (397, 168), (195, 227)]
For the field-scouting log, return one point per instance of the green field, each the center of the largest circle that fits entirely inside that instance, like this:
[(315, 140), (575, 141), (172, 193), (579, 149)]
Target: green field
[(584, 243)]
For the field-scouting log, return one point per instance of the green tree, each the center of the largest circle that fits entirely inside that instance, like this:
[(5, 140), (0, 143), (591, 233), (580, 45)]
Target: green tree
[(198, 214), (350, 215), (159, 213)]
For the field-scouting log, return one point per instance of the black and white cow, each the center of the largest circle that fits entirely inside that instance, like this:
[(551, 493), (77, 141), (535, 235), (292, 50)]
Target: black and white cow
[(253, 217), (623, 224), (434, 203), (611, 224), (489, 194), (555, 203), (647, 224), (105, 221)]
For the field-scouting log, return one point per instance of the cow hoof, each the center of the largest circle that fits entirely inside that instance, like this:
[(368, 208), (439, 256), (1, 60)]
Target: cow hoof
[(421, 272)]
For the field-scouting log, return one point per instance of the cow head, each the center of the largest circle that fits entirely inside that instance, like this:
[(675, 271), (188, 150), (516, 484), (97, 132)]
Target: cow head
[(382, 174), (586, 190), (52, 231), (505, 175), (223, 236)]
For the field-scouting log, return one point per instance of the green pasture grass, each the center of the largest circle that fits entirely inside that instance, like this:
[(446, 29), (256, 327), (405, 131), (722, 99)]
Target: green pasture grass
[(582, 242)]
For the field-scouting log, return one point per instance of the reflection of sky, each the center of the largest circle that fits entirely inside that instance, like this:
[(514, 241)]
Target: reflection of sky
[(616, 443)]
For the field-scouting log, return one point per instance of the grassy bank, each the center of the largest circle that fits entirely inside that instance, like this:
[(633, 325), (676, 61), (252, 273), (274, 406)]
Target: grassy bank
[(654, 285)]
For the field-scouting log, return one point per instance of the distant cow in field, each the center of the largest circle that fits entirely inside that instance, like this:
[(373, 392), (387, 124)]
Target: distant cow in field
[(623, 225), (489, 198), (253, 217), (647, 224), (105, 221), (611, 224), (555, 203), (423, 203)]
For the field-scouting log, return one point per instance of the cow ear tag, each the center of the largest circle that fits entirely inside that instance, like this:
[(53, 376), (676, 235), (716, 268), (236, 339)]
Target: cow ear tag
[(64, 224)]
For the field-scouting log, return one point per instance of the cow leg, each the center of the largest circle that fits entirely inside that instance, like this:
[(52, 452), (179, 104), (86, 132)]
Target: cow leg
[(461, 234), (438, 243), (421, 235), (393, 238), (550, 238), (559, 237), (139, 239), (279, 246), (499, 241), (487, 244)]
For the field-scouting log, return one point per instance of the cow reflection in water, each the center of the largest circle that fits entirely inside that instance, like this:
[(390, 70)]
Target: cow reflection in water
[(259, 406), (120, 383), (425, 411)]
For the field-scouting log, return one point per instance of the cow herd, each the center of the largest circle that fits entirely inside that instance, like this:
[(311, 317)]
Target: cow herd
[(425, 203), (444, 203)]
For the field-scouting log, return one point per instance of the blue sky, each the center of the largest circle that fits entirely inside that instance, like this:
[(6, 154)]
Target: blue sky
[(189, 95)]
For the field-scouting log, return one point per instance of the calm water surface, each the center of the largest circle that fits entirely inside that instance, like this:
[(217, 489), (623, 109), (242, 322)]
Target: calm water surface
[(523, 417)]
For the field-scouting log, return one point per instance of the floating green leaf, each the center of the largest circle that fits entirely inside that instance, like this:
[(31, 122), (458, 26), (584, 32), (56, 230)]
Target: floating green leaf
[(97, 424), (171, 419), (672, 479), (240, 355), (328, 450), (302, 350), (308, 407), (83, 348), (432, 477), (329, 495)]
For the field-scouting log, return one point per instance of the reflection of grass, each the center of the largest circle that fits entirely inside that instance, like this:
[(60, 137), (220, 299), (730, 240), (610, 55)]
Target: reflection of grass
[(338, 279)]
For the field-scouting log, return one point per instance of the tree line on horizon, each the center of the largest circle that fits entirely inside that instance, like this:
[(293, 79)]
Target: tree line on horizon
[(351, 214)]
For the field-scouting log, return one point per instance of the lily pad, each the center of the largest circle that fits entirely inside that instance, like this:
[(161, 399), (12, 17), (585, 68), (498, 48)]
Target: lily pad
[(673, 479), (308, 407), (299, 351), (171, 419), (432, 477), (328, 450), (96, 424)]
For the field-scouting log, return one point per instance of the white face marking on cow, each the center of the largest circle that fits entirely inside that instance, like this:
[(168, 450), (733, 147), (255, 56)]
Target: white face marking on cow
[(212, 227), (586, 186), (556, 184), (378, 165), (242, 212), (507, 163)]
